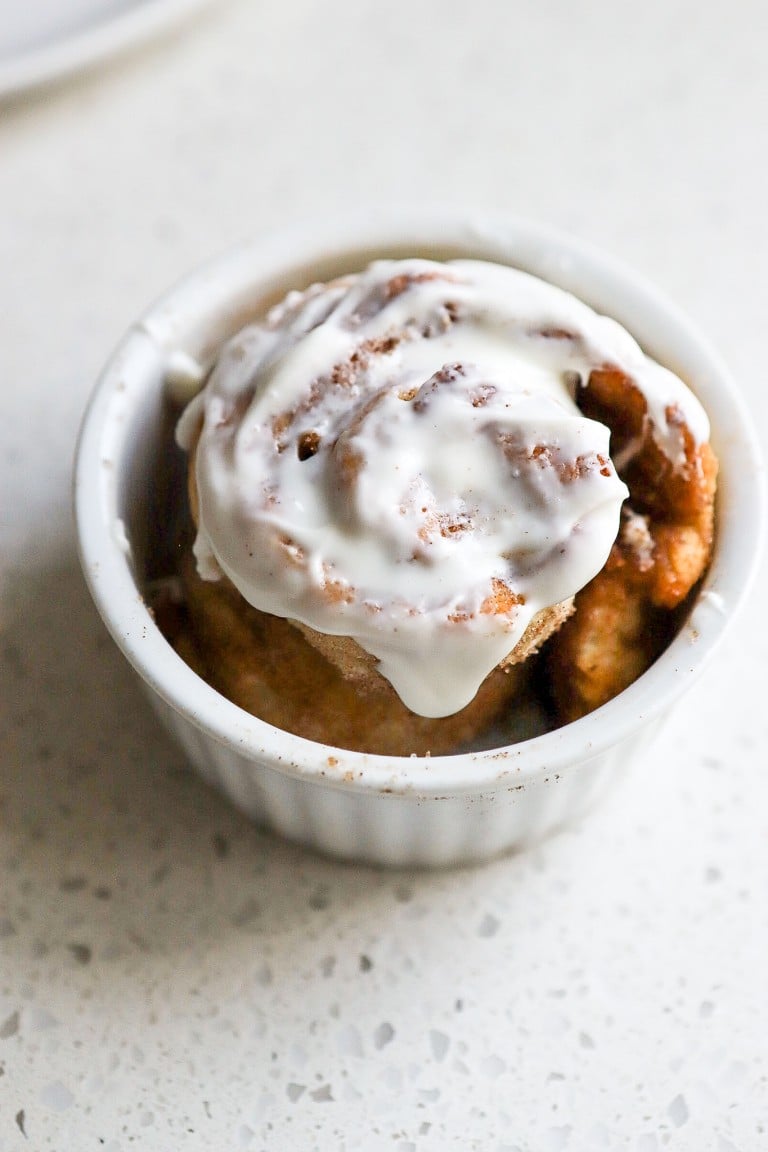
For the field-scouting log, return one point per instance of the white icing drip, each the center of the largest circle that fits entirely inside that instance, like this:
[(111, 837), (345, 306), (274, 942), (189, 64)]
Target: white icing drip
[(448, 462), (636, 534), (184, 377)]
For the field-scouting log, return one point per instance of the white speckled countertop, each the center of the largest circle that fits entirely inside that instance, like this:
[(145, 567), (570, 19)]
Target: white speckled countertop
[(172, 978)]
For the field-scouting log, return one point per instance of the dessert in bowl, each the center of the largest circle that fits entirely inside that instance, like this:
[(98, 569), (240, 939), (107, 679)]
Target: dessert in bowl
[(404, 476)]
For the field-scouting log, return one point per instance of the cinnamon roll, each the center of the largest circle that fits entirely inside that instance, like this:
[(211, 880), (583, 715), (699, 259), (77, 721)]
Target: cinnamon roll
[(403, 481)]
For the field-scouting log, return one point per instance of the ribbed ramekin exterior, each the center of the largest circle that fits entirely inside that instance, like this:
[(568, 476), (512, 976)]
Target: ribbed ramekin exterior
[(403, 828)]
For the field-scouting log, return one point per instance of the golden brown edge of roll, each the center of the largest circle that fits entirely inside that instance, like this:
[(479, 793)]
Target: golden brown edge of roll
[(265, 665)]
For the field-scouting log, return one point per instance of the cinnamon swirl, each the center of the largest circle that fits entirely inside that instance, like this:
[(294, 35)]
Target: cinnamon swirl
[(416, 469)]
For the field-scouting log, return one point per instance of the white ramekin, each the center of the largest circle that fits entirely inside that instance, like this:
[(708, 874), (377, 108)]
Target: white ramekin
[(391, 810)]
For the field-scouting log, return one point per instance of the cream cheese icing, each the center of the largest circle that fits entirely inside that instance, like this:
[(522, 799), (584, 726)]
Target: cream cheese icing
[(399, 457)]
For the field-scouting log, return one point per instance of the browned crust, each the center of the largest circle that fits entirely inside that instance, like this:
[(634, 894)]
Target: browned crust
[(266, 666), (628, 614)]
